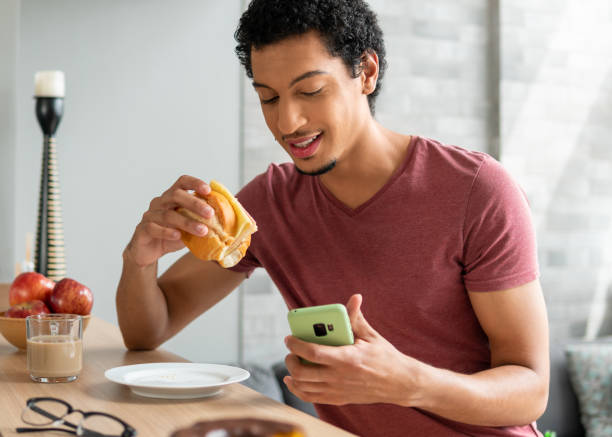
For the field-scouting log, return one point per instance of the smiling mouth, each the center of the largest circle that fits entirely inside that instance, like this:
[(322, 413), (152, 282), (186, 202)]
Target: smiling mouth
[(306, 148), (305, 143)]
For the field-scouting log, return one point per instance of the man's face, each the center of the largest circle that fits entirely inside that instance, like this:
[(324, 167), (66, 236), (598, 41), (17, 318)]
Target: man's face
[(311, 104)]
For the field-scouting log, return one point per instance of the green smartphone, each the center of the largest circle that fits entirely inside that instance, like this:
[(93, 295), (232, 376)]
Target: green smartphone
[(322, 324)]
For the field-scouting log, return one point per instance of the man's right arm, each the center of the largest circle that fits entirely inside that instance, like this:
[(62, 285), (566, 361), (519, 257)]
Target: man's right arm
[(151, 310)]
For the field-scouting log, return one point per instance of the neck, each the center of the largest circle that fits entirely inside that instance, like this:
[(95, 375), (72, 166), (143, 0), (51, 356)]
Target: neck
[(367, 165)]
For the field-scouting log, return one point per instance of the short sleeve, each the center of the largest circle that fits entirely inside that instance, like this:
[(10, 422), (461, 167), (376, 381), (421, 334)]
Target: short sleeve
[(246, 265), (499, 250)]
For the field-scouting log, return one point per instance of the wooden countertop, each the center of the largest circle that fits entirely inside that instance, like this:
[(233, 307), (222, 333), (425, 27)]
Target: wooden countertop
[(104, 349)]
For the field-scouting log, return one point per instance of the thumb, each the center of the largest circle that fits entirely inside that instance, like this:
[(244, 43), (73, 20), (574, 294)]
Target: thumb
[(361, 327)]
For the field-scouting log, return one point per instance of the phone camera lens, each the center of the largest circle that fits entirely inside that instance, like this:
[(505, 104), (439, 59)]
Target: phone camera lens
[(319, 329)]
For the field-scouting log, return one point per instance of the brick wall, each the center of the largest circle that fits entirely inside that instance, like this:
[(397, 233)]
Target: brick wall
[(556, 126), (556, 106), (435, 84)]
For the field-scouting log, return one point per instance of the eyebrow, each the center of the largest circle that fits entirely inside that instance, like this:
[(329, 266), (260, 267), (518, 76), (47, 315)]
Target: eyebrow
[(294, 81)]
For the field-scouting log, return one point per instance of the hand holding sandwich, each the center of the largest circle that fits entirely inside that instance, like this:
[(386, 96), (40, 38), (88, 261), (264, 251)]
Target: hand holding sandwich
[(158, 233), (208, 219)]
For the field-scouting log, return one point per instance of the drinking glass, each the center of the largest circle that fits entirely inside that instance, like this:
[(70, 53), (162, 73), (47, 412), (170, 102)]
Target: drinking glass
[(54, 347)]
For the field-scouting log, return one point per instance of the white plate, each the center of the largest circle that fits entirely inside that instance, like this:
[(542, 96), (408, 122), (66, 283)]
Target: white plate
[(176, 380)]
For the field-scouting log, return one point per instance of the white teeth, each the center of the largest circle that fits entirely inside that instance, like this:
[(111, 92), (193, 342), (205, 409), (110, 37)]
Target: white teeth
[(305, 143)]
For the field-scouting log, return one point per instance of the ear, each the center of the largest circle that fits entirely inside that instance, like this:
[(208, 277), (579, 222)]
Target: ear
[(369, 71)]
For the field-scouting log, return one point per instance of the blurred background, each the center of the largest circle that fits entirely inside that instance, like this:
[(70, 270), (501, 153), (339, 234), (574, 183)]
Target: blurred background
[(154, 91)]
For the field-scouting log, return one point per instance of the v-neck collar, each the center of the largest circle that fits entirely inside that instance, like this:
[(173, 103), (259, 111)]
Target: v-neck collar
[(352, 212)]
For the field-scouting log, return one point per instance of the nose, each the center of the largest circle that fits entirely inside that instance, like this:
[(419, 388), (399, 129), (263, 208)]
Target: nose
[(291, 116)]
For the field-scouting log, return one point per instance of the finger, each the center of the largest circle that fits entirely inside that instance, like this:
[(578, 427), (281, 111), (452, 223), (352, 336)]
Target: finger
[(307, 386), (305, 371), (361, 328), (318, 394), (306, 397), (178, 198), (172, 245), (186, 182), (315, 392), (156, 231), (315, 353), (172, 220)]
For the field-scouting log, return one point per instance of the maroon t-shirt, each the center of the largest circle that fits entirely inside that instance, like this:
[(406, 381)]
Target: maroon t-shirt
[(447, 221)]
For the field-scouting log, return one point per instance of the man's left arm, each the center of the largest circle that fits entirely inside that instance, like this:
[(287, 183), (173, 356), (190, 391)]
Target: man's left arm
[(514, 391)]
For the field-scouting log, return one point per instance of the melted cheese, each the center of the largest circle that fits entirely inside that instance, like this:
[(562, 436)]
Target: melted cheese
[(245, 225)]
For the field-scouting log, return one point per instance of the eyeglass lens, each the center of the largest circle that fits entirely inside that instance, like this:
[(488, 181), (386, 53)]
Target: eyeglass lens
[(43, 412), (100, 424)]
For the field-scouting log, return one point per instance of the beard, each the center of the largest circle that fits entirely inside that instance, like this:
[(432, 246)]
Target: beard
[(322, 170)]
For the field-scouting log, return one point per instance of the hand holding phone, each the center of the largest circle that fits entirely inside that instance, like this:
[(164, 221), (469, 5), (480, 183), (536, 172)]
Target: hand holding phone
[(323, 324)]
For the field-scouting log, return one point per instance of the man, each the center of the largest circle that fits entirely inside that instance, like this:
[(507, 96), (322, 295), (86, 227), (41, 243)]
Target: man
[(431, 247)]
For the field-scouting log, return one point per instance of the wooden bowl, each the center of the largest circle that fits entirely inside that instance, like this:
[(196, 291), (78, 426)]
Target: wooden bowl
[(14, 329)]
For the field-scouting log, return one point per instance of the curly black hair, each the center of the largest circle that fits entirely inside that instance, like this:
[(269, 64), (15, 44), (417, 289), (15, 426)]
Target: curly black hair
[(348, 28)]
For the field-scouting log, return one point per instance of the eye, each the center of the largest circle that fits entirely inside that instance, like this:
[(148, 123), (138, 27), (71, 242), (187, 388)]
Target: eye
[(312, 93), (268, 101)]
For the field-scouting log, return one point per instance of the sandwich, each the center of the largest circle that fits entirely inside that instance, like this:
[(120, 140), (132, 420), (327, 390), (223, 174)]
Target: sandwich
[(229, 229)]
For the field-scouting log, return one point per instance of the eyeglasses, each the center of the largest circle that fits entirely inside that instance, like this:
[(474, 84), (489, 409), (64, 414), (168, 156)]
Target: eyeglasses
[(42, 412)]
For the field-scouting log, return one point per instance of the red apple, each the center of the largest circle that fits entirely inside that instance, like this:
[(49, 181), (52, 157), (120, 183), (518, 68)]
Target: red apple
[(25, 309), (71, 297), (30, 286)]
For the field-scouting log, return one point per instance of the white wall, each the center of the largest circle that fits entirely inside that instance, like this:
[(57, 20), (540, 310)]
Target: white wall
[(9, 19), (151, 93)]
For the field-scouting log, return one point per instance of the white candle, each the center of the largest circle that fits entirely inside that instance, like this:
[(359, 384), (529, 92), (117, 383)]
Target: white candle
[(49, 84)]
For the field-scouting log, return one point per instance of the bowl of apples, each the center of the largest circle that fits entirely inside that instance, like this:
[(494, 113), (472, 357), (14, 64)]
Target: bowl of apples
[(32, 293)]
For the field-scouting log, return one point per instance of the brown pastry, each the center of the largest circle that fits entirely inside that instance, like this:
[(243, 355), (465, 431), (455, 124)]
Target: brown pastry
[(248, 427)]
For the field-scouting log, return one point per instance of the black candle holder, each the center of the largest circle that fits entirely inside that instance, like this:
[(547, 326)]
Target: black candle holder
[(49, 258)]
